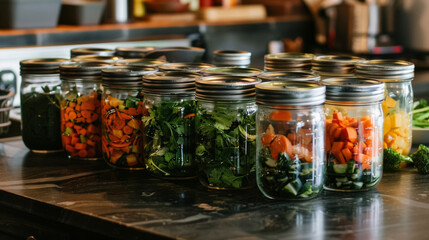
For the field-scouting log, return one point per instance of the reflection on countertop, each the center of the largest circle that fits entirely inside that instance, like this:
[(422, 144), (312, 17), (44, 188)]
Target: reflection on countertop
[(110, 203)]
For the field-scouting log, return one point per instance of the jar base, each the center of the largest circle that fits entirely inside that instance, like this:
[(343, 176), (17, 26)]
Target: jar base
[(47, 151), (86, 159), (347, 190)]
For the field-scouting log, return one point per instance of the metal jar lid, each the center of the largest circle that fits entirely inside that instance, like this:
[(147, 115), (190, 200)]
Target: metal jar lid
[(125, 75), (354, 89), (92, 51), (295, 93), (231, 58), (287, 61), (170, 83), (82, 70), (226, 88), (96, 58), (41, 65), (184, 67), (335, 64), (232, 71), (289, 76), (385, 69), (140, 62), (133, 52)]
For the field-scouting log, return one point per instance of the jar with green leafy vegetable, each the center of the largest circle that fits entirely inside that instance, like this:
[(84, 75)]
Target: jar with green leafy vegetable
[(121, 112), (290, 139), (226, 131), (40, 105), (353, 133), (169, 124)]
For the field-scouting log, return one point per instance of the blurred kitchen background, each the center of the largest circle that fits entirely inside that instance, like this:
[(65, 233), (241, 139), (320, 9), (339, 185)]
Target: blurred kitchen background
[(366, 28)]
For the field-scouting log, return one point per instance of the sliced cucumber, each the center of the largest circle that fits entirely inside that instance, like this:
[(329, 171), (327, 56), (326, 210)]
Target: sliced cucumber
[(350, 166), (293, 187), (340, 168)]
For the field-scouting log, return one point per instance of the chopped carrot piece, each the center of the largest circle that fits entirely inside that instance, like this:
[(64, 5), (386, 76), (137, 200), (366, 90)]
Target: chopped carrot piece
[(338, 116), (281, 115), (280, 144), (267, 138), (80, 146)]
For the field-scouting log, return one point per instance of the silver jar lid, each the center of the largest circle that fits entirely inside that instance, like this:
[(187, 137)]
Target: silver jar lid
[(232, 71), (289, 76), (335, 64), (140, 62), (231, 58), (226, 88), (133, 52), (184, 67), (294, 93), (385, 69), (92, 51), (170, 83), (125, 75), (41, 65), (287, 61), (96, 58), (82, 70), (354, 89)]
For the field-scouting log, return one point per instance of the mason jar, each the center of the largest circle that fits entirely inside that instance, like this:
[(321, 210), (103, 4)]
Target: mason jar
[(184, 67), (232, 58), (122, 111), (398, 105), (330, 66), (81, 109), (40, 107), (354, 133), (290, 134), (287, 62), (226, 131), (232, 71), (169, 124), (133, 52), (289, 76), (91, 51)]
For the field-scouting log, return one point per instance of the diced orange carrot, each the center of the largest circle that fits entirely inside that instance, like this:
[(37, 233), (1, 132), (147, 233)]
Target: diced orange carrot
[(66, 140), (347, 154), (72, 115), (281, 115), (280, 144), (337, 132), (338, 116), (69, 148), (69, 124), (349, 145), (83, 153), (337, 146), (80, 146), (90, 142), (349, 134), (87, 106), (267, 138), (74, 140)]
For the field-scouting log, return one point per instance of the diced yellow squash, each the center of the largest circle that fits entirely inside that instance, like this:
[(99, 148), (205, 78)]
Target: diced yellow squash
[(387, 124), (400, 143), (385, 108), (114, 102), (396, 120), (390, 102), (389, 138), (117, 133), (385, 145)]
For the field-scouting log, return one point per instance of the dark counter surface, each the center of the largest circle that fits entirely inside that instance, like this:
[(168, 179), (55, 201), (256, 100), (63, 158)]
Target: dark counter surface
[(105, 203)]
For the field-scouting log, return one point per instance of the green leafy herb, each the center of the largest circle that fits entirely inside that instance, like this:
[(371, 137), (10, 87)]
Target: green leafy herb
[(169, 138), (421, 114), (226, 146)]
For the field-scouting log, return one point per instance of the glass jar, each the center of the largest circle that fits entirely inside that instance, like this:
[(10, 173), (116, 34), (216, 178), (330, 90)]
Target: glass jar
[(232, 71), (40, 107), (133, 52), (184, 67), (287, 62), (91, 51), (289, 76), (329, 66), (122, 111), (226, 131), (81, 109), (354, 131), (232, 58), (398, 105), (290, 125), (169, 124)]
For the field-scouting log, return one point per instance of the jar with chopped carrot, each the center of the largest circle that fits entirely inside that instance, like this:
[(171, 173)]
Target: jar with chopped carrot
[(290, 129), (40, 105), (225, 128), (81, 109), (169, 124), (353, 133), (398, 105), (121, 116)]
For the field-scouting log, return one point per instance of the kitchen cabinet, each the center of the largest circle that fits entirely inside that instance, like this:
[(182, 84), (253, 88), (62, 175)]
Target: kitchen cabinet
[(51, 195)]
